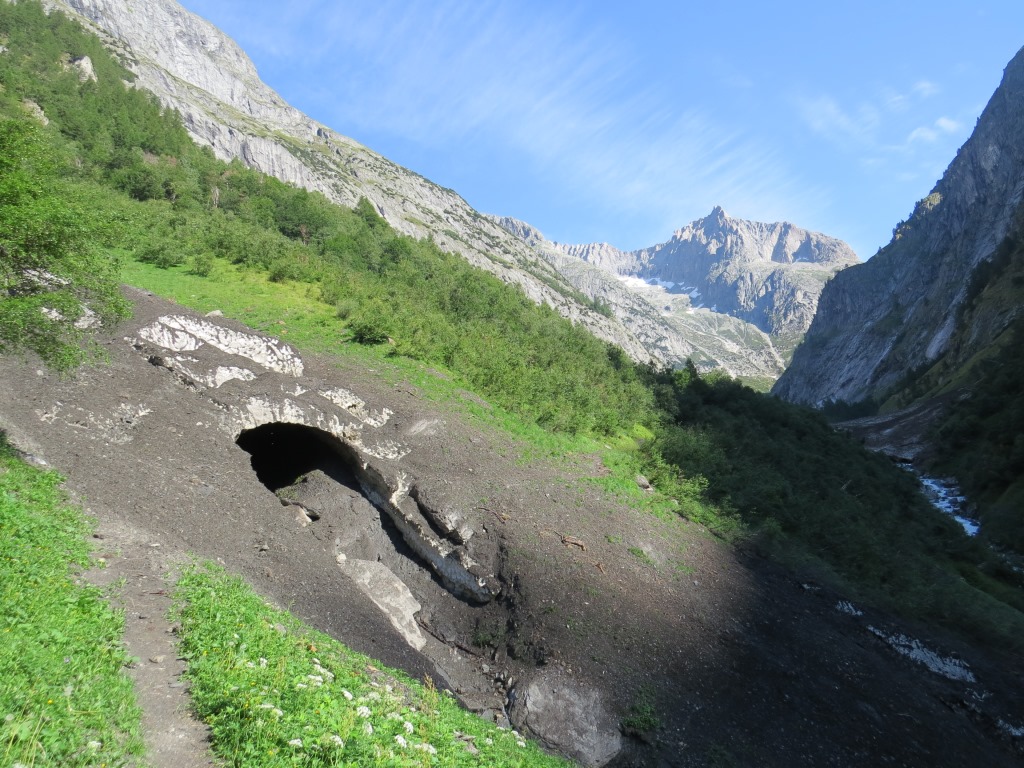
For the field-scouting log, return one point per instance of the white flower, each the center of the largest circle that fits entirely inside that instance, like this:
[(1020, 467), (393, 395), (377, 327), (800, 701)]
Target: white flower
[(400, 741), (336, 740), (408, 727), (250, 665), (363, 711), (295, 743), (429, 748), (394, 716), (373, 696), (300, 685), (94, 745), (263, 663), (367, 728), (489, 741), (521, 743), (315, 679), (346, 694)]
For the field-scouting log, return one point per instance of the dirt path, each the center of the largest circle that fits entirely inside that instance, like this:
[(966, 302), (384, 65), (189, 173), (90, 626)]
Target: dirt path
[(138, 574)]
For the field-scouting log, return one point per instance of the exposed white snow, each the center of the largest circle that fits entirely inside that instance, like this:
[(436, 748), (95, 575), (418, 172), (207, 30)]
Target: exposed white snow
[(357, 407), (185, 334), (954, 669), (845, 606)]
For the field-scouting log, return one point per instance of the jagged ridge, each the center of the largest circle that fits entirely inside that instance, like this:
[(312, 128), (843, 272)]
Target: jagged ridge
[(897, 313)]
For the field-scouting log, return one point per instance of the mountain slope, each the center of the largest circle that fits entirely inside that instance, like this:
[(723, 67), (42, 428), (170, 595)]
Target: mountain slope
[(767, 275), (194, 68), (709, 338), (900, 311)]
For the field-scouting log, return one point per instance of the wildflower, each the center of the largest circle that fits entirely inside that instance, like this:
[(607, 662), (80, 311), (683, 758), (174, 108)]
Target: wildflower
[(299, 686), (295, 743), (263, 663), (336, 740), (424, 746), (521, 743), (408, 727), (346, 694), (363, 711), (94, 745), (400, 741), (367, 728), (489, 741), (315, 679)]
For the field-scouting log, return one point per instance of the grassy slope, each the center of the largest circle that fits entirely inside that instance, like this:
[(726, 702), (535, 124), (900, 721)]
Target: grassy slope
[(64, 697), (277, 693)]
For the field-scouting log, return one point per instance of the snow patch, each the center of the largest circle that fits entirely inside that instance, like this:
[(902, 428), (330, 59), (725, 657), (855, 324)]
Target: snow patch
[(179, 333), (845, 606), (954, 669), (357, 407), (1015, 731)]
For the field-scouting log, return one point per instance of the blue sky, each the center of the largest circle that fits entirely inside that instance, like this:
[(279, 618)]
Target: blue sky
[(621, 122)]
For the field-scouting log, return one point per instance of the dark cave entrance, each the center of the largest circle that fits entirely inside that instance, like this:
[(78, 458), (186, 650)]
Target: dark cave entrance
[(282, 453)]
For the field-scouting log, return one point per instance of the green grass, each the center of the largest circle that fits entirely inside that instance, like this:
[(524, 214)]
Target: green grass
[(277, 693), (64, 698)]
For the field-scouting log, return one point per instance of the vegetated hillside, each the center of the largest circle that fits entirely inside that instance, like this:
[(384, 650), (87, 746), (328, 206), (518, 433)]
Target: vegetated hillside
[(194, 68), (936, 316), (750, 467)]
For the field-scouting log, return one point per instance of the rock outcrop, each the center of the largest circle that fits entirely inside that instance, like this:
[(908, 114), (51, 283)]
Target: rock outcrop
[(898, 312), (741, 293), (769, 275)]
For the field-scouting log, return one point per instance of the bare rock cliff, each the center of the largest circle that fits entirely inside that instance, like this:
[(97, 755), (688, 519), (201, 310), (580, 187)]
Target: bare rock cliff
[(769, 275), (741, 293), (896, 313)]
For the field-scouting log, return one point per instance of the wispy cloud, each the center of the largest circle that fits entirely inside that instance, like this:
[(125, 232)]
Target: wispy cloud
[(879, 131), (545, 85)]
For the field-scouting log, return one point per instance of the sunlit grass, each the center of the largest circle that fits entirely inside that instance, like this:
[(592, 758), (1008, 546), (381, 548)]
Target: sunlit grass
[(277, 693), (64, 698)]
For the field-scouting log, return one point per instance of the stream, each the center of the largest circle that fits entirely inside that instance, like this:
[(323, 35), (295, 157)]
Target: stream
[(944, 494)]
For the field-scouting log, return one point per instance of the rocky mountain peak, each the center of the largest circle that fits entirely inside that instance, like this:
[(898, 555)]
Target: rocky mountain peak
[(769, 275)]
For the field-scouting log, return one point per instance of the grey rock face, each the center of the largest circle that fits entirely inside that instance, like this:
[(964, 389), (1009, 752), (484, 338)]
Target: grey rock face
[(740, 292), (769, 275), (568, 717), (897, 312)]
